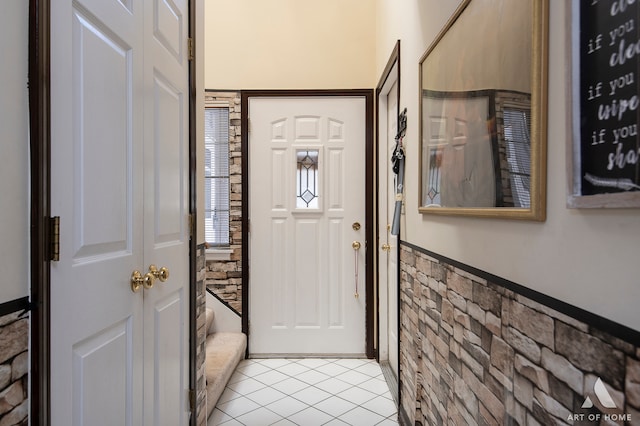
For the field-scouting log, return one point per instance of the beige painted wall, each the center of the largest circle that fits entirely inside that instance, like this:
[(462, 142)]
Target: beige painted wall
[(290, 44), (587, 258), (459, 62), (14, 151)]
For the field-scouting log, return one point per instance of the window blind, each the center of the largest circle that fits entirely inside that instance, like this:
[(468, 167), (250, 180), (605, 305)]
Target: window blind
[(217, 176), (517, 134)]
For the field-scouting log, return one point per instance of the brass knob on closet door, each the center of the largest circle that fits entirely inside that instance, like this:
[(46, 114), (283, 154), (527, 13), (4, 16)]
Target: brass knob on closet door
[(138, 280), (162, 274), (386, 247)]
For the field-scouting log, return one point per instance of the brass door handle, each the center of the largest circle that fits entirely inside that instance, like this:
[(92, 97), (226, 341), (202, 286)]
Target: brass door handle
[(386, 247), (162, 274), (356, 245), (138, 280)]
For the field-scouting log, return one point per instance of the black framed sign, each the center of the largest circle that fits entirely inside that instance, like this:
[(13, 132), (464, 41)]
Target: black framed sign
[(604, 154)]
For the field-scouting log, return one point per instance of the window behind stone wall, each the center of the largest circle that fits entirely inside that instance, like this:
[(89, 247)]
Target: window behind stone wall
[(223, 271), (216, 175)]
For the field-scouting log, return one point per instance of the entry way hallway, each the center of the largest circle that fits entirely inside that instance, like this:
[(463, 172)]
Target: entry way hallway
[(306, 392)]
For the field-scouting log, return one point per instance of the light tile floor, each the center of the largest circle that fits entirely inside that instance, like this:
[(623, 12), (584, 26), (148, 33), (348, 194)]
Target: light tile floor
[(306, 392)]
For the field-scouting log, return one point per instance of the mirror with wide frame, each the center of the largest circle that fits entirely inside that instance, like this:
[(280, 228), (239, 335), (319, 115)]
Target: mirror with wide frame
[(483, 99)]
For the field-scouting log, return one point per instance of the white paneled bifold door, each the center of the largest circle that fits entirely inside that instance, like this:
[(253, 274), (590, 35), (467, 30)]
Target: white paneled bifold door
[(119, 183), (307, 238)]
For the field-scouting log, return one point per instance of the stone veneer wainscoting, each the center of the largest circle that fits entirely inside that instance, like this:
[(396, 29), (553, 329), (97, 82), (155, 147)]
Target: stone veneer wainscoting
[(477, 349), (14, 368), (201, 337), (224, 277)]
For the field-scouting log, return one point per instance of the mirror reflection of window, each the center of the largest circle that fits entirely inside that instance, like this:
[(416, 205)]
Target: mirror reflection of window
[(517, 137)]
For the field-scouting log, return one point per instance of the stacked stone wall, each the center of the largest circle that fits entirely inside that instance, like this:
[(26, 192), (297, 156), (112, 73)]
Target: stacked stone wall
[(476, 352), (224, 277), (14, 369), (201, 336)]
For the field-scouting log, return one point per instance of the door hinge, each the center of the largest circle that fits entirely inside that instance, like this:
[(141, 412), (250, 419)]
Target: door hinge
[(54, 233), (190, 49), (192, 400)]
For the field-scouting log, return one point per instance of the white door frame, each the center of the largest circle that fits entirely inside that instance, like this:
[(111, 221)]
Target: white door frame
[(40, 194), (369, 244), (390, 76)]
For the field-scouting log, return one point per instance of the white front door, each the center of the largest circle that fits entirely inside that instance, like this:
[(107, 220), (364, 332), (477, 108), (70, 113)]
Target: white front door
[(119, 182), (307, 189), (457, 130), (388, 243)]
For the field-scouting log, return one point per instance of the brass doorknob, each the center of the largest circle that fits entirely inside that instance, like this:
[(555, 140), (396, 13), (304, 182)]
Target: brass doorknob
[(356, 245), (162, 274), (138, 280), (386, 247)]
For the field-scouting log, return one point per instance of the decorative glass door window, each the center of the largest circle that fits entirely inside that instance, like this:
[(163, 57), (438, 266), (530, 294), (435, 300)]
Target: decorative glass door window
[(307, 189), (435, 163)]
